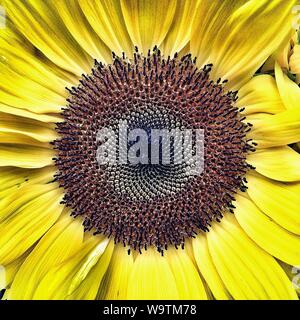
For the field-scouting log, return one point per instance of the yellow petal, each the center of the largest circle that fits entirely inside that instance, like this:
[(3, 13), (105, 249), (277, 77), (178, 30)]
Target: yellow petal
[(38, 86), (27, 94), (289, 91), (107, 20), (39, 23), (276, 130), (247, 271), (88, 264), (151, 278), (236, 36), (8, 272), (25, 156), (28, 114), (19, 56), (148, 22), (89, 287), (295, 59), (276, 200), (260, 94), (62, 280), (188, 281), (12, 176), (283, 56), (14, 201), (22, 228), (208, 269), (31, 128), (18, 138), (115, 282), (256, 116), (278, 163), (57, 245), (78, 26), (3, 282), (266, 233), (180, 31)]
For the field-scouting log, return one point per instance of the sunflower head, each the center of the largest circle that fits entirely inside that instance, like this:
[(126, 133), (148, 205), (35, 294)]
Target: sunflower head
[(88, 193), (150, 202)]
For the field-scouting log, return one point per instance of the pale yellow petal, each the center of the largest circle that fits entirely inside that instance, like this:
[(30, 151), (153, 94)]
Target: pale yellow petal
[(107, 20), (21, 139), (283, 56), (276, 240), (288, 90), (278, 163), (63, 280), (89, 287), (39, 23), (9, 271), (247, 270), (276, 200), (208, 269), (17, 177), (115, 282), (23, 227), (236, 36), (151, 278), (27, 94), (295, 59), (48, 118), (180, 31), (148, 22), (39, 85), (260, 94), (25, 156), (187, 278), (20, 57), (31, 128), (77, 24), (276, 130), (3, 277), (58, 244), (13, 201)]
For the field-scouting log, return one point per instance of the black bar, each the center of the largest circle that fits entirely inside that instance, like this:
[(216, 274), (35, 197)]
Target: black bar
[(145, 309)]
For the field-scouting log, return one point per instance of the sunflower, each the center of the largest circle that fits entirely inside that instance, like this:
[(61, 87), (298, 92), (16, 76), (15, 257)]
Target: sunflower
[(71, 229)]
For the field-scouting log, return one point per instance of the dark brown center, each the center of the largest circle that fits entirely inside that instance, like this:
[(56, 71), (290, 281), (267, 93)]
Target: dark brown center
[(152, 204)]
